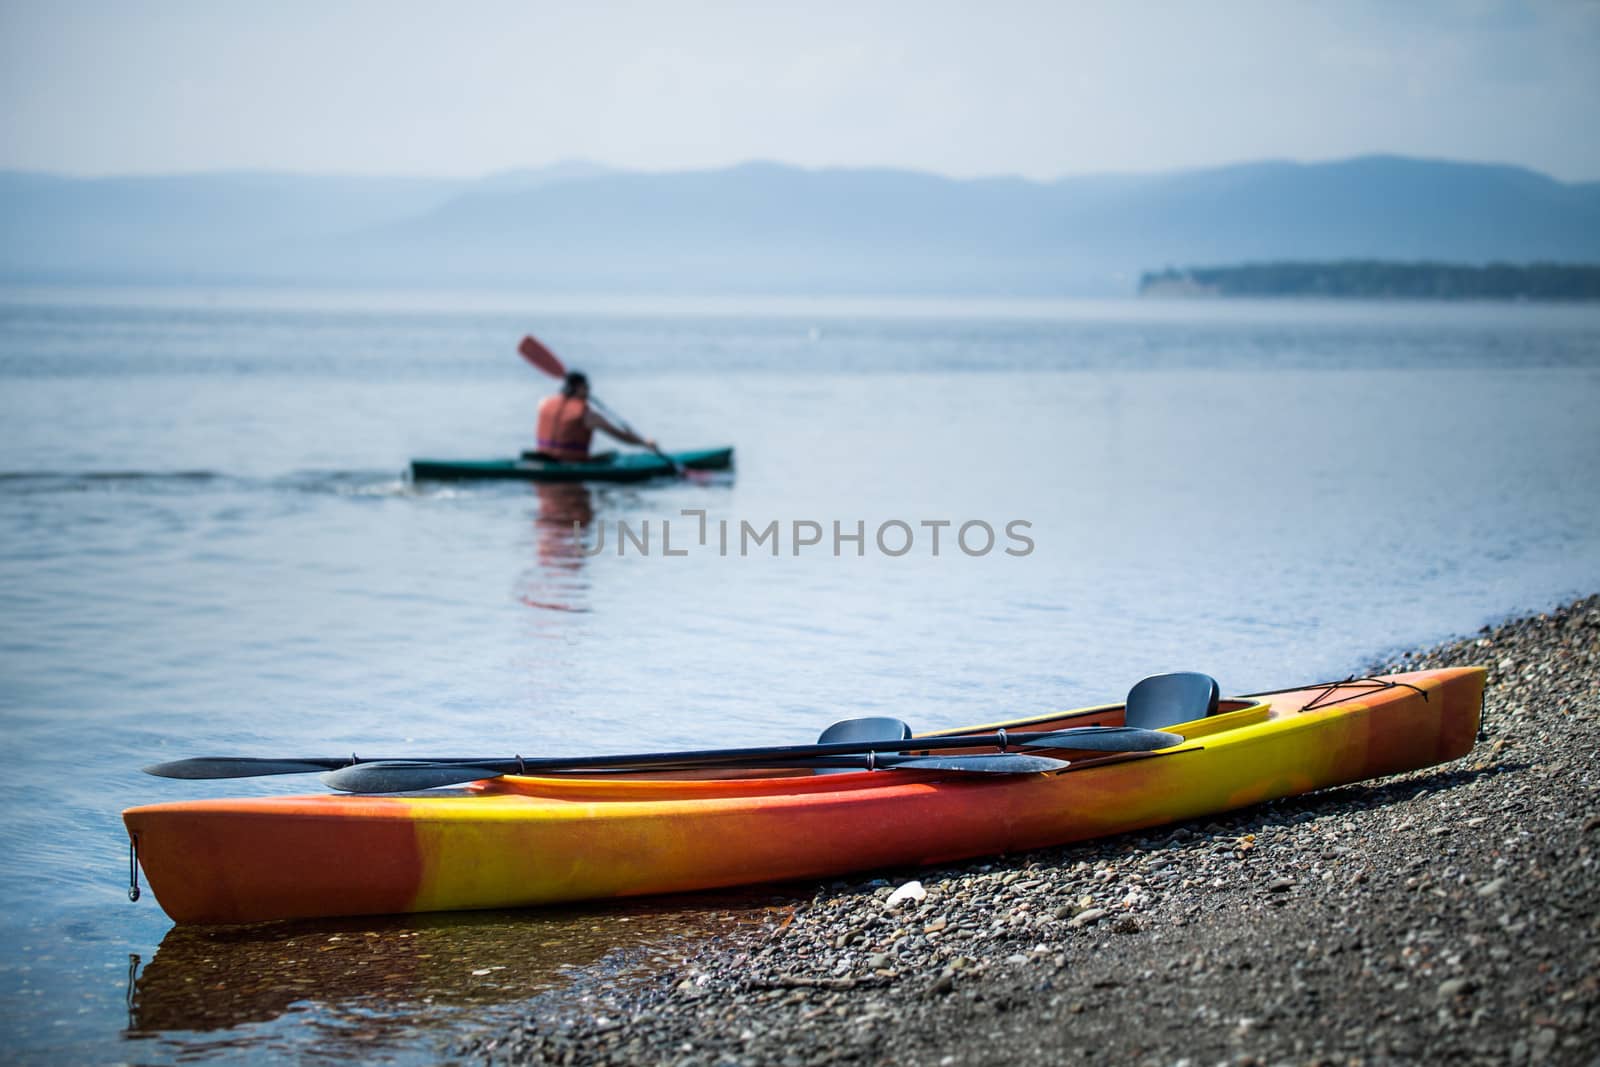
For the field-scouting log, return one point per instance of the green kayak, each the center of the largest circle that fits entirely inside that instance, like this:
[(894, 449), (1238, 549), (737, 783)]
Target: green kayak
[(625, 467)]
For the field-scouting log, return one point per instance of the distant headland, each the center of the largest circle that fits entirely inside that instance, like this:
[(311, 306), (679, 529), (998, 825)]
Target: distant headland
[(1370, 279)]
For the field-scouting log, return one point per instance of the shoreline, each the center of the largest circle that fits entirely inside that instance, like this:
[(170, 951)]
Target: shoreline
[(1446, 914)]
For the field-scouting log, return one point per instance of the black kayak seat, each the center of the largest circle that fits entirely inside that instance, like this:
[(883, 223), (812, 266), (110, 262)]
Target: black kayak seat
[(1168, 699), (872, 728)]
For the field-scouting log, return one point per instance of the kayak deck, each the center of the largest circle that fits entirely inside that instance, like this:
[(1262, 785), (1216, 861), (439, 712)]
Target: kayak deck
[(518, 841), (627, 467)]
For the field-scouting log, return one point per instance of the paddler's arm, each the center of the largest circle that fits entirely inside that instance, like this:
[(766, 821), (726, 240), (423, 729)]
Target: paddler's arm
[(596, 421)]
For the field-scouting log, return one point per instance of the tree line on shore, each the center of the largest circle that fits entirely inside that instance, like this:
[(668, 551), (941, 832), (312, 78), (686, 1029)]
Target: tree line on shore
[(1381, 279)]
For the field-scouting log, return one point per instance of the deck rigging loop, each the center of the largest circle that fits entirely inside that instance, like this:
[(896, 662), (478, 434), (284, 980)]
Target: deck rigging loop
[(1001, 734), (1364, 687), (133, 867)]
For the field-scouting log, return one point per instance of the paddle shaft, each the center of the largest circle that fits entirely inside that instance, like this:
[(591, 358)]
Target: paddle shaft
[(622, 424), (1121, 739), (406, 777)]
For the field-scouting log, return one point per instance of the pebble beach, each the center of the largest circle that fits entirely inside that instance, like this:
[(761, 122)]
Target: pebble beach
[(1447, 915)]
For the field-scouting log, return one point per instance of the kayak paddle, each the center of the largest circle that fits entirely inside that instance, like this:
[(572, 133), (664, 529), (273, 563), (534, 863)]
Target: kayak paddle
[(534, 351), (403, 777), (1089, 738)]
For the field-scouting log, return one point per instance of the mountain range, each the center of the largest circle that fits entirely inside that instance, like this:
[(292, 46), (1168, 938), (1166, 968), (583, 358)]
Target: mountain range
[(773, 228)]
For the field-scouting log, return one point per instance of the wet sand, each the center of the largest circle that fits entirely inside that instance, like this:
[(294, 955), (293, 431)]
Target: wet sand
[(1447, 915)]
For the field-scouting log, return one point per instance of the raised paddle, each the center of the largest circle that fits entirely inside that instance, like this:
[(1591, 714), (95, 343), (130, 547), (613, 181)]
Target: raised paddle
[(1090, 738), (403, 777), (534, 351)]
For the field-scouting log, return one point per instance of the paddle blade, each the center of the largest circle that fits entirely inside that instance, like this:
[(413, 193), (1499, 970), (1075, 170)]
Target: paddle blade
[(239, 767), (395, 777), (540, 356), (1004, 763), (1107, 739)]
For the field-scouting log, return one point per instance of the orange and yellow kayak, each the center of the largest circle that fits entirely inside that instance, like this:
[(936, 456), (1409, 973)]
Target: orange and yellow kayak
[(517, 841)]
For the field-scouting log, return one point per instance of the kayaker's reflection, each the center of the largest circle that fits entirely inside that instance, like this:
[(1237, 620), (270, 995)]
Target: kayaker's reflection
[(566, 512)]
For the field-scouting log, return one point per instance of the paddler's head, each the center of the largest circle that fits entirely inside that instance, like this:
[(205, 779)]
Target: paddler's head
[(576, 385)]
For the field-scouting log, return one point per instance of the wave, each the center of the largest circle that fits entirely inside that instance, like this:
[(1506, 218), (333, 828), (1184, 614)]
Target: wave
[(337, 482), (66, 481)]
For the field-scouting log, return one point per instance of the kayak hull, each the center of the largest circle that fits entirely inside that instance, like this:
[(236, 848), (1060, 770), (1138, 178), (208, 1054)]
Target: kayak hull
[(628, 467), (521, 841)]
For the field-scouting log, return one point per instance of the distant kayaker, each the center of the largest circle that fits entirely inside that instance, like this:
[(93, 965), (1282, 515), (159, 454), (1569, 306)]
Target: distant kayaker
[(567, 423)]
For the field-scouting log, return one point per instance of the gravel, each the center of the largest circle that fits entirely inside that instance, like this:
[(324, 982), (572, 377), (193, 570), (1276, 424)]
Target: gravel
[(1446, 915)]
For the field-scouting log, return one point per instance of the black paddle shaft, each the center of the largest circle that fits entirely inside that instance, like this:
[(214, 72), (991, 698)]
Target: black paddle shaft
[(1093, 738), (408, 777), (622, 424)]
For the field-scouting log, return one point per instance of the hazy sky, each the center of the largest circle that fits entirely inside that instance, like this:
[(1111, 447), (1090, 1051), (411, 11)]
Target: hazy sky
[(998, 87)]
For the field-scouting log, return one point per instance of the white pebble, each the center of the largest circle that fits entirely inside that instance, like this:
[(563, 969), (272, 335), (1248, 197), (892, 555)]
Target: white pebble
[(911, 891)]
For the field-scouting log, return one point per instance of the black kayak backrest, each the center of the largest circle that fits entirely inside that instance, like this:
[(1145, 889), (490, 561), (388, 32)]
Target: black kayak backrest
[(1168, 699), (872, 728)]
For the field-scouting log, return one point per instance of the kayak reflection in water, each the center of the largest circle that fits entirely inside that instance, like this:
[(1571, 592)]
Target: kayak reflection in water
[(567, 422)]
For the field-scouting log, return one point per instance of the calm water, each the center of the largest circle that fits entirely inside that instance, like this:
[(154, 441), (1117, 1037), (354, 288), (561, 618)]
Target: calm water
[(208, 545)]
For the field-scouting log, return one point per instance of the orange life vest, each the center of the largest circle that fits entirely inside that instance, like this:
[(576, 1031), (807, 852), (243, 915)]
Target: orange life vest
[(562, 430)]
